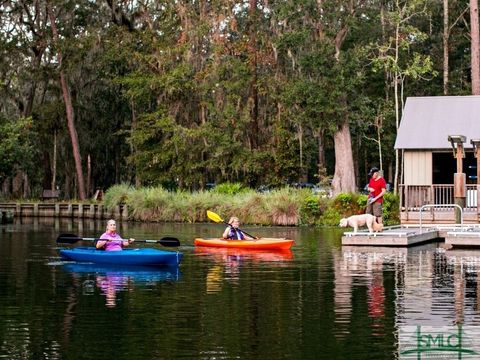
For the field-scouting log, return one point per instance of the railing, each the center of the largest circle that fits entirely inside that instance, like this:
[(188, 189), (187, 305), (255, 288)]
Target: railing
[(413, 197), (60, 210), (436, 206)]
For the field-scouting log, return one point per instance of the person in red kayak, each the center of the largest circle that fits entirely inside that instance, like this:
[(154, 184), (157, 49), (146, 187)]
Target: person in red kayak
[(110, 240), (232, 232)]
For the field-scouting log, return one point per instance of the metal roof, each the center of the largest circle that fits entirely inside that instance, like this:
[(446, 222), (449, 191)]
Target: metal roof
[(428, 121)]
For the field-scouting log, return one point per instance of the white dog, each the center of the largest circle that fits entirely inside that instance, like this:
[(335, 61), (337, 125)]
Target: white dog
[(360, 220)]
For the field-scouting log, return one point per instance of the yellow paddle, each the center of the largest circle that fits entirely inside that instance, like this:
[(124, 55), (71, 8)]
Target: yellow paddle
[(215, 217)]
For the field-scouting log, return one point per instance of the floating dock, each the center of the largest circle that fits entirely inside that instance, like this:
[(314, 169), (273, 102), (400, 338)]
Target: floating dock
[(413, 234), (468, 235)]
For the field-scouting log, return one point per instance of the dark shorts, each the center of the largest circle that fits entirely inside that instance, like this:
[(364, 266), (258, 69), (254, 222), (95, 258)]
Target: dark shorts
[(374, 209)]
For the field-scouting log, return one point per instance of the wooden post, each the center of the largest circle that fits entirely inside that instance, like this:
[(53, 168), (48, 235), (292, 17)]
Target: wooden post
[(80, 211), (100, 214), (459, 178), (478, 183), (459, 184), (476, 145)]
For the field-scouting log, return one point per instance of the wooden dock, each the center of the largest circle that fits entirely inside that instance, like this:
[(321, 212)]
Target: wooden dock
[(403, 235), (64, 210), (413, 234), (468, 235)]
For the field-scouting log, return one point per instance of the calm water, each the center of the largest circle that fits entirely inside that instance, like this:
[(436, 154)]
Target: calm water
[(320, 301)]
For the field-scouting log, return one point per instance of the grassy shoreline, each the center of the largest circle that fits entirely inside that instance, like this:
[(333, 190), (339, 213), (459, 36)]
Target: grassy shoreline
[(283, 207)]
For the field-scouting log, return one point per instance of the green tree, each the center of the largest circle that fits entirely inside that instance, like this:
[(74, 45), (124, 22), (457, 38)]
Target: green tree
[(17, 146)]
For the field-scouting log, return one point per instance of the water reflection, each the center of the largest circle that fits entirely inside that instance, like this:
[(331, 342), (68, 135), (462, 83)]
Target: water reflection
[(229, 261), (363, 266), (323, 302), (113, 279), (432, 287), (226, 254), (463, 266)]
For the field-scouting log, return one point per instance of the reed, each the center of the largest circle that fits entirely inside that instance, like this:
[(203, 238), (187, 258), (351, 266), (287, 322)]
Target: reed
[(285, 206), (117, 195)]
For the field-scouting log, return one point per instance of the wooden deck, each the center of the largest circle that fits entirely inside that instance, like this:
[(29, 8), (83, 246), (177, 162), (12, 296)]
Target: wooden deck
[(409, 234), (402, 235), (468, 235), (414, 197)]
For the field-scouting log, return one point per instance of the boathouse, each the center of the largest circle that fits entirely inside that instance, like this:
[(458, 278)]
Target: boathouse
[(428, 161)]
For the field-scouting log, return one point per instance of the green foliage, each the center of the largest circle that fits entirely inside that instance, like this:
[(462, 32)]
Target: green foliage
[(346, 204), (311, 208), (17, 146), (331, 217), (284, 206), (117, 195), (173, 100), (228, 188), (391, 209)]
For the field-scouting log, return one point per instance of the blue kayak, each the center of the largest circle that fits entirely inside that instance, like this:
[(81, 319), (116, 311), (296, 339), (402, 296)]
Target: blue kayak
[(145, 257)]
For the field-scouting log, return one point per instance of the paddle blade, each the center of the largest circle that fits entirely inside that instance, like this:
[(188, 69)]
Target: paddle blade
[(169, 241), (214, 217), (68, 238)]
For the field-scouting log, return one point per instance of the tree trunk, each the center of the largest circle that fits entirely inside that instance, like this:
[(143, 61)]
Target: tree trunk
[(69, 109), (344, 177), (446, 32), (253, 68), (54, 162), (475, 46), (396, 79), (7, 187), (89, 175), (47, 173), (321, 150)]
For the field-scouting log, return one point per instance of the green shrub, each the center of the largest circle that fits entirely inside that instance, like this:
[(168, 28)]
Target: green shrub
[(330, 217), (229, 188), (310, 209), (117, 195), (284, 206), (391, 209), (348, 204)]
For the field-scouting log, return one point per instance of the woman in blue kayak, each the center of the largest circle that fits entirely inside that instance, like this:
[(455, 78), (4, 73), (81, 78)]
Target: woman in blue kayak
[(110, 240), (232, 232)]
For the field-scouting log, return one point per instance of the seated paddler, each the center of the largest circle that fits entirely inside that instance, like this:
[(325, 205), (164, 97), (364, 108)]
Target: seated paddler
[(111, 240), (232, 232)]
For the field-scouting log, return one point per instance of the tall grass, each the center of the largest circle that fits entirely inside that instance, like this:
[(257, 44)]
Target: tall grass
[(284, 206)]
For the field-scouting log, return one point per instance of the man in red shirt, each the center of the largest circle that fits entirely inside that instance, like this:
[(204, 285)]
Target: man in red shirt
[(377, 187)]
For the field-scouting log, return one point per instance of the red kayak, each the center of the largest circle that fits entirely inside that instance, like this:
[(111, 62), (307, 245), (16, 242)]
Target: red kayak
[(260, 244)]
